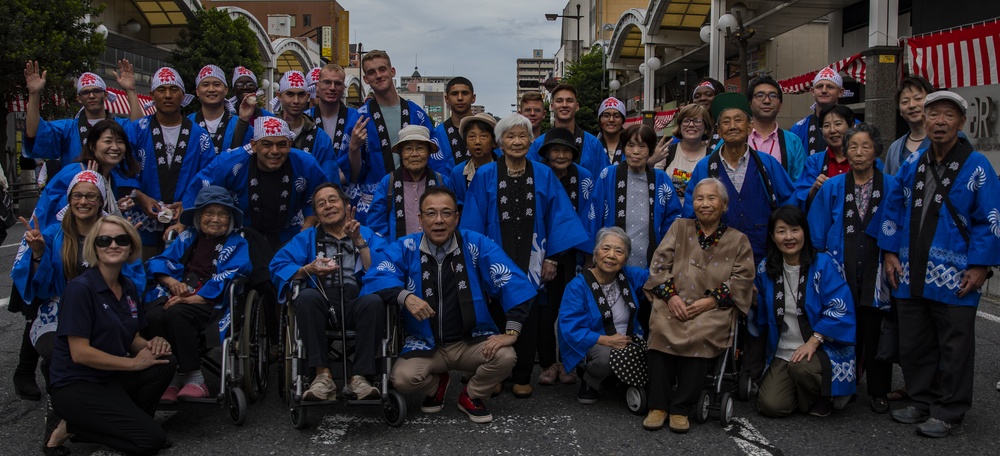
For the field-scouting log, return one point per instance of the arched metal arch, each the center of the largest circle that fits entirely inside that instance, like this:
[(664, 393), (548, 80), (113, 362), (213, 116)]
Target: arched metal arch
[(263, 41), (282, 45), (633, 17)]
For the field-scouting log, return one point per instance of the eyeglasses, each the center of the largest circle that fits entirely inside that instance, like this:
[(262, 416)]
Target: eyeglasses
[(611, 115), (87, 93), (692, 121), (122, 240), (90, 197), (221, 215), (321, 203), (445, 214), (760, 96), (245, 85)]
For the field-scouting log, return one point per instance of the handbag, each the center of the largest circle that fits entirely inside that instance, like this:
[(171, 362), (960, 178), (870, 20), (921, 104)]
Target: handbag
[(629, 363)]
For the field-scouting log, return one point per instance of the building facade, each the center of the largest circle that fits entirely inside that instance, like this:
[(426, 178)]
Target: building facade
[(532, 72)]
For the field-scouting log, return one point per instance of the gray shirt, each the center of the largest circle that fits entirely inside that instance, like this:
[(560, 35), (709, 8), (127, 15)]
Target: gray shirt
[(619, 310), (392, 116), (739, 173), (791, 339), (637, 217)]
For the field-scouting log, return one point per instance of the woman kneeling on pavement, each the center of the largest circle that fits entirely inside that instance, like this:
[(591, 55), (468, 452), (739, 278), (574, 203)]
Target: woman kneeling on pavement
[(189, 280), (701, 273), (106, 378), (806, 314), (599, 312)]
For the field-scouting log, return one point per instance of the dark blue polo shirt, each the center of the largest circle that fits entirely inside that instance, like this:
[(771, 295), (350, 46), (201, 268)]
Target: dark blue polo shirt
[(90, 310)]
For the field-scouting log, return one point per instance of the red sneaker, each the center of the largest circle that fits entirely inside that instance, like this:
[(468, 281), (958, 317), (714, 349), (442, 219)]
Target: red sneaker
[(434, 404), (475, 408)]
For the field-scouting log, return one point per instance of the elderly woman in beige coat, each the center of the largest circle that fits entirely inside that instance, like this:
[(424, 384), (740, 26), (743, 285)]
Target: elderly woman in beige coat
[(701, 273)]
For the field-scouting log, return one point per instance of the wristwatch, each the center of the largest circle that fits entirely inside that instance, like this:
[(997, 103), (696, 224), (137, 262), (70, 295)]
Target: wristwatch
[(819, 337), (512, 332)]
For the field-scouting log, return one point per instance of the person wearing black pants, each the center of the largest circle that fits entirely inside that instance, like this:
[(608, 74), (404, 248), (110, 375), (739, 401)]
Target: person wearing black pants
[(27, 359), (690, 373), (878, 373), (106, 379)]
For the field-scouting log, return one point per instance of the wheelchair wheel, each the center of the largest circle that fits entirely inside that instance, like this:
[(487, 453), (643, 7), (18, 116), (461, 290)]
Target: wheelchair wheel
[(394, 408), (726, 409), (285, 381), (237, 405), (702, 406), (636, 399), (298, 416), (254, 347), (743, 385)]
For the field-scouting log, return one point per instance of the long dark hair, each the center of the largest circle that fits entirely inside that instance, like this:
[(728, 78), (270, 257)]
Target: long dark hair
[(792, 216), (129, 166)]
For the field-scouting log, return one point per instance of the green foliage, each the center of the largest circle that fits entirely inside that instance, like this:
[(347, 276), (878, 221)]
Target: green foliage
[(53, 33), (586, 76), (215, 38)]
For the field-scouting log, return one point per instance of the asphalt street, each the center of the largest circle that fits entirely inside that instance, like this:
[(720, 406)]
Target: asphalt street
[(550, 422)]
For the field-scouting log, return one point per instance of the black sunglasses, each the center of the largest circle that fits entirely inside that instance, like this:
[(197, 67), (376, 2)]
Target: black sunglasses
[(123, 240)]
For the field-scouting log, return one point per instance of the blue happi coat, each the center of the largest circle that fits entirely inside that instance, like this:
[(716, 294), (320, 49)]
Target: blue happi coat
[(604, 208), (340, 141), (372, 167), (975, 196), (58, 140), (812, 170), (557, 226), (231, 170), (491, 272), (228, 141), (301, 250), (457, 181), (592, 155), (826, 221), (443, 160), (47, 283), (580, 320), (233, 261), (830, 311), (382, 214), (54, 196), (199, 152)]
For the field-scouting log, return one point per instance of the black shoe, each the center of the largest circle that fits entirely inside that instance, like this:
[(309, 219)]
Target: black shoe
[(880, 405), (587, 395), (25, 387), (910, 415), (820, 407)]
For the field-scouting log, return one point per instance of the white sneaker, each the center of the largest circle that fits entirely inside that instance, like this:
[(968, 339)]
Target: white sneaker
[(322, 388), (361, 388)]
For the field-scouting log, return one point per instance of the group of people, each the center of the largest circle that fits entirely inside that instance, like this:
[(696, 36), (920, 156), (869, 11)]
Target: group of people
[(499, 242)]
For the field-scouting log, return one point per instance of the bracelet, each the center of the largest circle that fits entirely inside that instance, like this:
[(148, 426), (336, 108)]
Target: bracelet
[(512, 332), (818, 337), (363, 246)]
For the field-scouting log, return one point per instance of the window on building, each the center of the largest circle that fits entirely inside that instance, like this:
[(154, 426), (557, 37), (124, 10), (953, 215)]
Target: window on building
[(291, 23), (307, 20)]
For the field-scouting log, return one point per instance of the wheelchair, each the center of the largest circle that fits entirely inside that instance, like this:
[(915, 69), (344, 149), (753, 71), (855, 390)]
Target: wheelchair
[(242, 367), (725, 381), (293, 375)]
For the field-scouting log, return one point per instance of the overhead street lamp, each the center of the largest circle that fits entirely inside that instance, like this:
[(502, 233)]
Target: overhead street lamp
[(552, 17)]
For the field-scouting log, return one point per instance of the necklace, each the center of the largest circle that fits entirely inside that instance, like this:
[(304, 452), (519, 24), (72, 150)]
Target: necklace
[(915, 140), (515, 173)]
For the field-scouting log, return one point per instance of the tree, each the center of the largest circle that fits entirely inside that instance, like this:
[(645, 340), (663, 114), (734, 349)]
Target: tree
[(586, 76), (213, 37), (54, 33)]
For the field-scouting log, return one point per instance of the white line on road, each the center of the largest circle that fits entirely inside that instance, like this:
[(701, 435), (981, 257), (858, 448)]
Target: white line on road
[(4, 302), (988, 316), (10, 245)]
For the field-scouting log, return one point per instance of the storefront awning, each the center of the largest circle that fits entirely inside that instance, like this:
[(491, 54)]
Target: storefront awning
[(662, 119), (962, 57), (120, 106)]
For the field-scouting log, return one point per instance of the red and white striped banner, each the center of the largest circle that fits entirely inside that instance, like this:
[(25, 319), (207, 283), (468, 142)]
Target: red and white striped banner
[(660, 122), (854, 66), (962, 57), (120, 106)]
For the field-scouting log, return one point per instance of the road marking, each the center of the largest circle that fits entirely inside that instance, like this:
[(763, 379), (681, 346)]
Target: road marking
[(749, 439), (4, 302), (10, 245), (988, 316)]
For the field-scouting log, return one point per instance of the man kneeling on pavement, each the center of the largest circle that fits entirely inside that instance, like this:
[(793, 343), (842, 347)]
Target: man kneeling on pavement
[(440, 278)]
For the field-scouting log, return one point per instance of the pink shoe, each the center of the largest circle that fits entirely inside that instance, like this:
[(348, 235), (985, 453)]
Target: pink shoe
[(169, 395), (193, 391)]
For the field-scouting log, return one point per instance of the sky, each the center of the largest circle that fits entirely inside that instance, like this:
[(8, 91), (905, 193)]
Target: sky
[(480, 40)]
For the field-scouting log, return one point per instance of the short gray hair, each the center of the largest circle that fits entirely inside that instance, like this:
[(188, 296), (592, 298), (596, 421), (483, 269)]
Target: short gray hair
[(510, 122), (614, 231), (720, 188), (872, 132)]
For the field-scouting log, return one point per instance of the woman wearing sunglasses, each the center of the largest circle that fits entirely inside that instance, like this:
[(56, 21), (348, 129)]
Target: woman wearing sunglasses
[(106, 379)]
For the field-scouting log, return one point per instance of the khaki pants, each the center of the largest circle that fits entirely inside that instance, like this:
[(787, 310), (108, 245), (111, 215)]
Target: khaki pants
[(419, 374), (788, 386)]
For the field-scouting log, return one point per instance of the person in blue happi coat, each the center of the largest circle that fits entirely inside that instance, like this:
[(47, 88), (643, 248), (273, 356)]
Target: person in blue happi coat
[(806, 314), (440, 279), (369, 157), (564, 106), (940, 244), (214, 115), (520, 204)]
